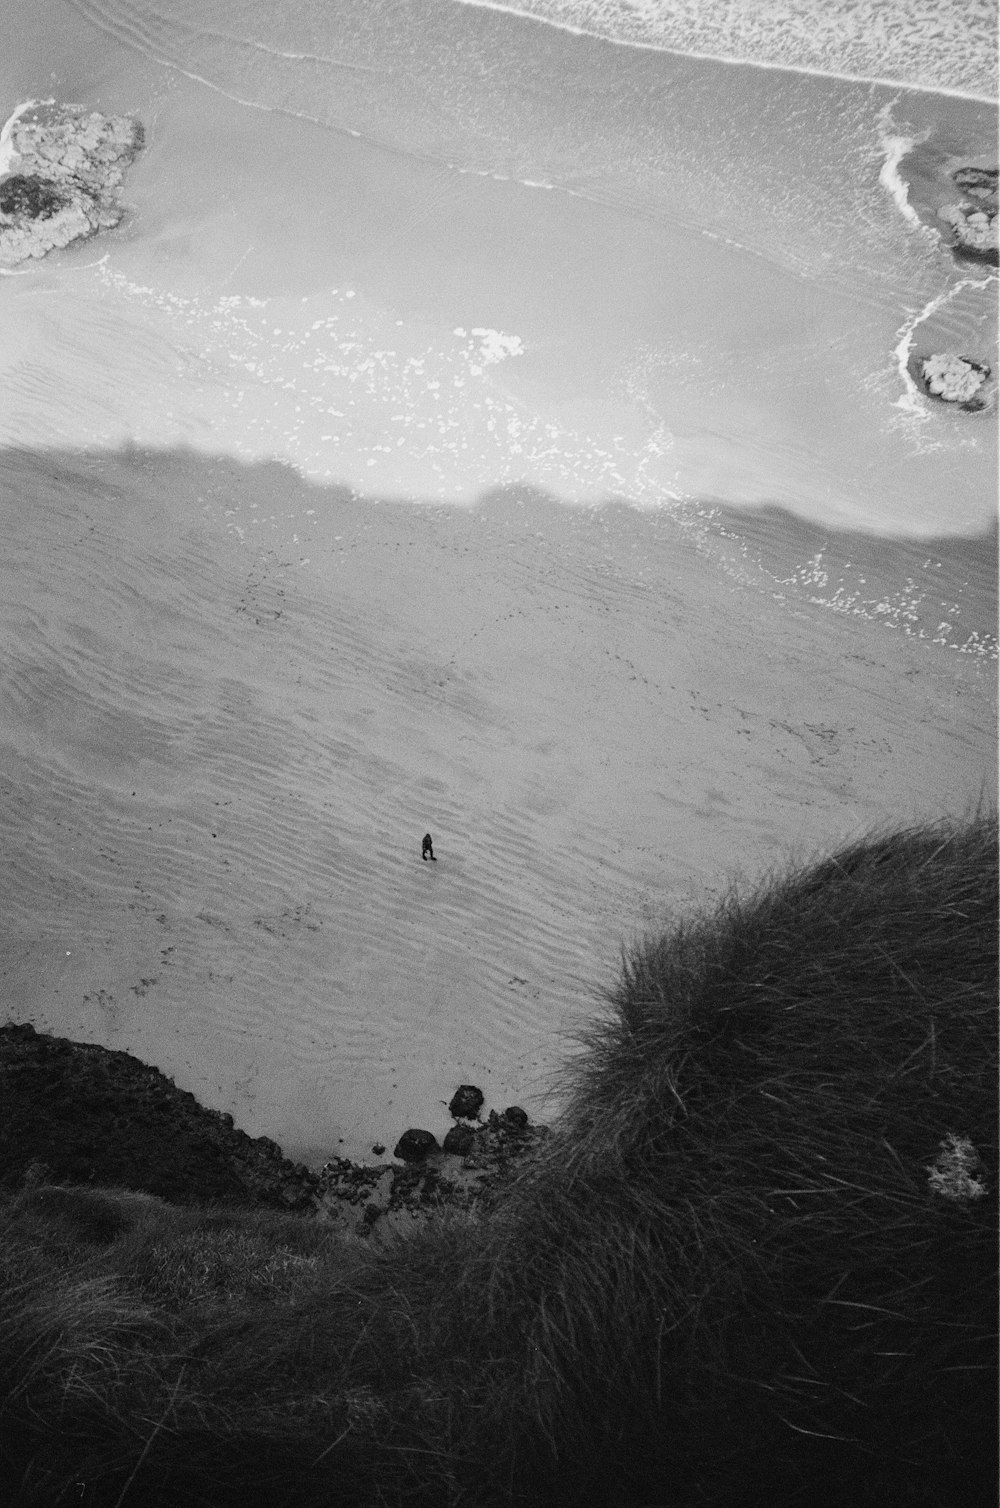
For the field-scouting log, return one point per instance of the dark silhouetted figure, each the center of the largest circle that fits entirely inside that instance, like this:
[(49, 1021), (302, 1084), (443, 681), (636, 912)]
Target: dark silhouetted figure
[(427, 848)]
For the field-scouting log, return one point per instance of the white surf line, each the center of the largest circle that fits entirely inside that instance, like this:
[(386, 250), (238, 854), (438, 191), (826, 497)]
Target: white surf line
[(896, 148), (731, 61), (912, 399), (608, 201)]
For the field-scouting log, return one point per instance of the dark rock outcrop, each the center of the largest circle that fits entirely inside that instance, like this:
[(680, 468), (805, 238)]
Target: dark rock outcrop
[(973, 219), (73, 1112), (466, 1102), (978, 183), (485, 1159), (27, 196), (414, 1145), (61, 174)]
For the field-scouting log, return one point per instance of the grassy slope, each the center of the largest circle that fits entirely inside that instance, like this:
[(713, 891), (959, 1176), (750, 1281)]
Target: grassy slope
[(745, 1268)]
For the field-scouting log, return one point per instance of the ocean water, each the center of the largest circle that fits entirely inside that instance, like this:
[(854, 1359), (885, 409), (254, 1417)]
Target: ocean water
[(424, 248)]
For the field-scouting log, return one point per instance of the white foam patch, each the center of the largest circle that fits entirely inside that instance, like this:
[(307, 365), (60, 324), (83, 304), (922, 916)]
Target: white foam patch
[(330, 383), (7, 153), (896, 148)]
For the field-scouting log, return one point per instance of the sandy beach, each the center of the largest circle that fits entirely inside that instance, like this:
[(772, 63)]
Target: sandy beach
[(234, 702), (349, 493)]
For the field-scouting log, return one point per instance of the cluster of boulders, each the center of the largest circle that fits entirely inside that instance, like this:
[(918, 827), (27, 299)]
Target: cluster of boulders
[(462, 1139), (61, 176), (465, 1105), (77, 1113), (467, 1170), (973, 220)]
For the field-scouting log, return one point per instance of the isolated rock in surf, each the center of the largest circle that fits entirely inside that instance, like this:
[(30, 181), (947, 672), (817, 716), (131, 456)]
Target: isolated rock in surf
[(974, 219), (956, 379), (62, 170)]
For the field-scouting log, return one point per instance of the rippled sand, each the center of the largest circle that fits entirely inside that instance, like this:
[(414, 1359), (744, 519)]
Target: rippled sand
[(233, 703)]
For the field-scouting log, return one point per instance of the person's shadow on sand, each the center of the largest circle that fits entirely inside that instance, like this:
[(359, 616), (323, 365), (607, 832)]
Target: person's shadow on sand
[(427, 848)]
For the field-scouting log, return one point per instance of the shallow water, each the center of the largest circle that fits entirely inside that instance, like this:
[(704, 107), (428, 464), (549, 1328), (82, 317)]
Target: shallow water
[(936, 44), (710, 288)]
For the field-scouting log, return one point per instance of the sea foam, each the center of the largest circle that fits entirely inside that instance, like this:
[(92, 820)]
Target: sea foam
[(947, 48), (7, 153)]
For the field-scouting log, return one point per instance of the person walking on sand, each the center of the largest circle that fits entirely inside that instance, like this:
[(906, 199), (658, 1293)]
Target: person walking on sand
[(427, 848)]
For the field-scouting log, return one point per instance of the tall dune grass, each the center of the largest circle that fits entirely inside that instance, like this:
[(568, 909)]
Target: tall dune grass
[(756, 1263), (740, 1264)]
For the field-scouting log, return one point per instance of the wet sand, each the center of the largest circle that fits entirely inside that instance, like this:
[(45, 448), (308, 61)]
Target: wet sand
[(234, 702)]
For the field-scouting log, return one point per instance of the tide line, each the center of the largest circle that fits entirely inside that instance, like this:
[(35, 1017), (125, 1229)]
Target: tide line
[(896, 148), (644, 45)]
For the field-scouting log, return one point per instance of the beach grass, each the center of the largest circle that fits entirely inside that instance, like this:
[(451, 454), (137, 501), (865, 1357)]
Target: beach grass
[(756, 1262)]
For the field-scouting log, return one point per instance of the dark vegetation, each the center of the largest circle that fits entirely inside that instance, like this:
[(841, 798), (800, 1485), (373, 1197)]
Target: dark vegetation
[(79, 1113), (29, 195), (756, 1263)]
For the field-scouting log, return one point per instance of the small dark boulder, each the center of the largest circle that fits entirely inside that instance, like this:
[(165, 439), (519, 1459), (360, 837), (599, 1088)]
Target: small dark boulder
[(30, 196), (378, 1149), (466, 1102), (515, 1116), (460, 1140), (414, 1145)]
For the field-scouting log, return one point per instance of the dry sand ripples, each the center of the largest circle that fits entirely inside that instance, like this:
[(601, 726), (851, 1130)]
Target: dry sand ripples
[(232, 703)]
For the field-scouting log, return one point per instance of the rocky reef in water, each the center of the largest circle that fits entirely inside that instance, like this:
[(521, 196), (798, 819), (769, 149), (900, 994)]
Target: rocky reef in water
[(959, 380), (957, 199), (967, 383), (78, 1113), (62, 169), (973, 218)]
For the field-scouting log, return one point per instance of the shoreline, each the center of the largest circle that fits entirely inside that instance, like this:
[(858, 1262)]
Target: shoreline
[(67, 1103), (732, 60), (640, 386)]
